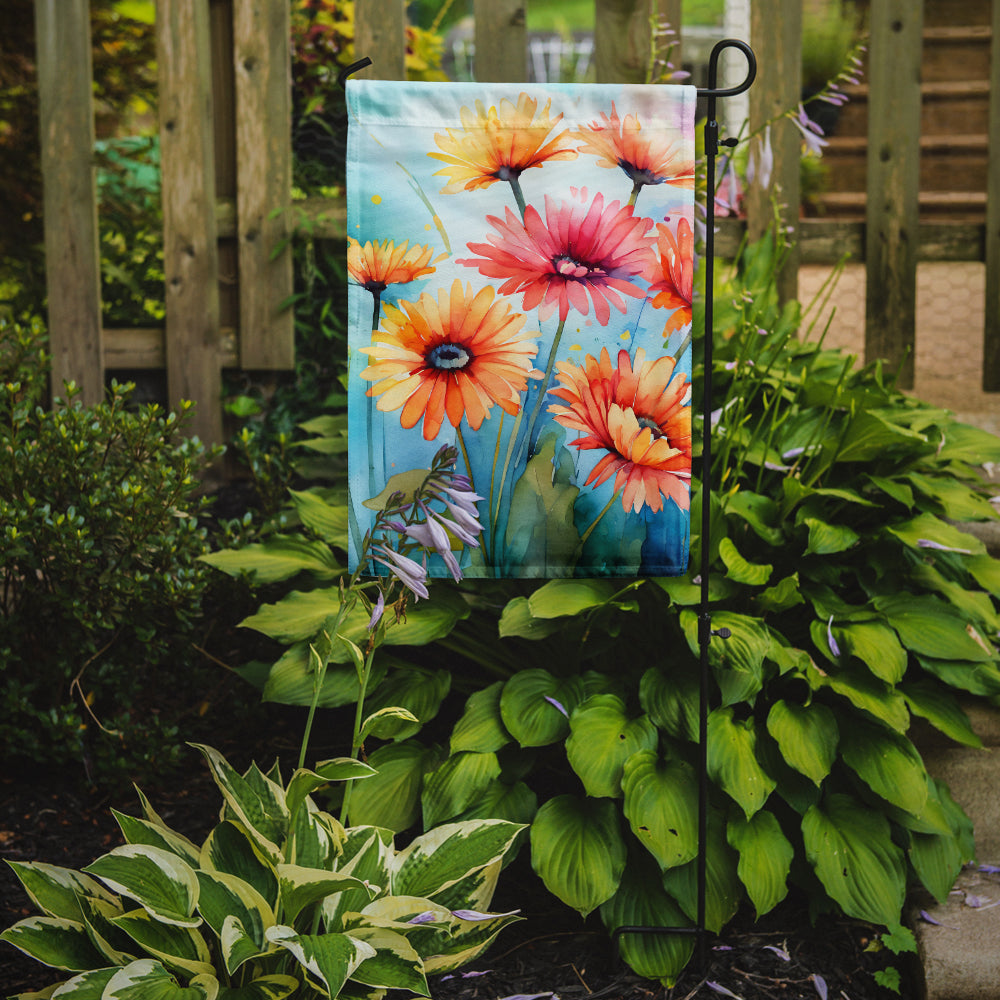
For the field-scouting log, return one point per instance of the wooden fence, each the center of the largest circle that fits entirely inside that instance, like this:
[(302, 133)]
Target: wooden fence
[(226, 162)]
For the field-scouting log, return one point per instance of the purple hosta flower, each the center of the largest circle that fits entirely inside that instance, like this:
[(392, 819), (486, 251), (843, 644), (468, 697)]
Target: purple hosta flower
[(728, 194), (927, 918), (531, 996), (558, 705), (377, 612), (410, 573), (475, 915), (465, 975), (834, 648), (780, 952), (820, 983), (928, 543), (990, 869), (427, 917), (812, 134), (760, 165), (719, 988)]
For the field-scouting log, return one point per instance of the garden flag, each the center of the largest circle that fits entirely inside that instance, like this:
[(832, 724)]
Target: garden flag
[(521, 265)]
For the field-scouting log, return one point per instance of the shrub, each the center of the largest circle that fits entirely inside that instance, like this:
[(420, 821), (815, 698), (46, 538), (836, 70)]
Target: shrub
[(99, 539)]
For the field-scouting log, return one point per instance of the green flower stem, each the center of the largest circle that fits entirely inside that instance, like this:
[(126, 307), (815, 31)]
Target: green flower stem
[(636, 188), (359, 716), (515, 186), (594, 523), (544, 387)]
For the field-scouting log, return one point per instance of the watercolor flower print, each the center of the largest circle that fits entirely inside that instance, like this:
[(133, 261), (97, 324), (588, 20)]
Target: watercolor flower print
[(521, 279)]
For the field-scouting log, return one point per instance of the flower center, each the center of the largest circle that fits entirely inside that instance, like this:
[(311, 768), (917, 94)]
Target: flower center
[(651, 425), (508, 173), (641, 175), (448, 356), (570, 267)]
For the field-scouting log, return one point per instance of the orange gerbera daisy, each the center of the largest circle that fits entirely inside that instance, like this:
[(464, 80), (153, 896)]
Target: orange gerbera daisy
[(375, 266), (454, 356), (646, 157), (498, 144), (673, 288), (639, 416)]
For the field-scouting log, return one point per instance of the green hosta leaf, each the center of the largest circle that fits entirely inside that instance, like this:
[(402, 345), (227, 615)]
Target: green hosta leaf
[(986, 572), (260, 809), (456, 784), (160, 882), (976, 678), (54, 941), (937, 859), (238, 944), (876, 646), (765, 858), (828, 539), (301, 887), (807, 736), (274, 987), (578, 851), (931, 628), (738, 661), (330, 959), (671, 699), (141, 831), (661, 798), (56, 891), (443, 856), (528, 711), (225, 897), (279, 558), (760, 512), (723, 889), (602, 738), (732, 760), (327, 520), (941, 709), (230, 849), (386, 723), (416, 689), (975, 605), (481, 728), (866, 692), (893, 488), (965, 443), (738, 569), (391, 798), (180, 948), (641, 901), (850, 848), (516, 803), (928, 528), (957, 501), (684, 592), (783, 595), (517, 620), (304, 782), (147, 979), (559, 598), (871, 435), (395, 964), (291, 680), (888, 763)]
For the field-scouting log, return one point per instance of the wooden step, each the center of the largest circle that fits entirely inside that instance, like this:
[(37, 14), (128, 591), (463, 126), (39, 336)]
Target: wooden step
[(956, 53), (957, 206), (940, 13), (946, 106)]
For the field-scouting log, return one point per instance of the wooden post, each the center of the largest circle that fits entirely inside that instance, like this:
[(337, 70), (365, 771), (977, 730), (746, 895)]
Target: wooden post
[(893, 183), (262, 61), (72, 256), (501, 41), (622, 40), (776, 34), (991, 333), (190, 254), (380, 34)]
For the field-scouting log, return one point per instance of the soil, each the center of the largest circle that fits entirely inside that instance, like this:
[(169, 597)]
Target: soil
[(551, 952)]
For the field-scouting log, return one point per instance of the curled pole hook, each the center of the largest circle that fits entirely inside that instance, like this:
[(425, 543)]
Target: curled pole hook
[(352, 68), (712, 90)]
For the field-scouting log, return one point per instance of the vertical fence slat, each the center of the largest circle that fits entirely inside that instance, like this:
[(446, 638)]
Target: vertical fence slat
[(380, 34), (622, 40), (991, 332), (261, 57), (501, 41), (72, 257), (776, 34), (893, 183), (190, 253)]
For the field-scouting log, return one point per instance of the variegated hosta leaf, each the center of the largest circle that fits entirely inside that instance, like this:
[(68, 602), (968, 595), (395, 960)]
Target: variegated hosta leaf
[(329, 959), (304, 782), (765, 858), (578, 851), (55, 941), (367, 854), (475, 891), (602, 737), (86, 986), (147, 979), (274, 987), (732, 760), (315, 838), (256, 801), (481, 727), (177, 947), (395, 964), (661, 800), (141, 831), (467, 941), (642, 902), (158, 880), (116, 946), (456, 784), (807, 736), (56, 891), (230, 849), (300, 887), (225, 897), (850, 847), (441, 857)]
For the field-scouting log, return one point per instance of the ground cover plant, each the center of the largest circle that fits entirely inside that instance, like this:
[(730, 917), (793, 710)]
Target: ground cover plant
[(854, 604)]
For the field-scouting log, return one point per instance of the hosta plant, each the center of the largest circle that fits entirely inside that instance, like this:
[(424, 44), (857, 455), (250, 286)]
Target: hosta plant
[(279, 900)]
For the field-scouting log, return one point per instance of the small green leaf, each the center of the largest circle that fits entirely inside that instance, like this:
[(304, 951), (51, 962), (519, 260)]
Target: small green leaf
[(732, 760), (738, 569), (828, 539), (765, 858), (888, 763), (481, 727), (807, 736), (559, 598), (671, 699)]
